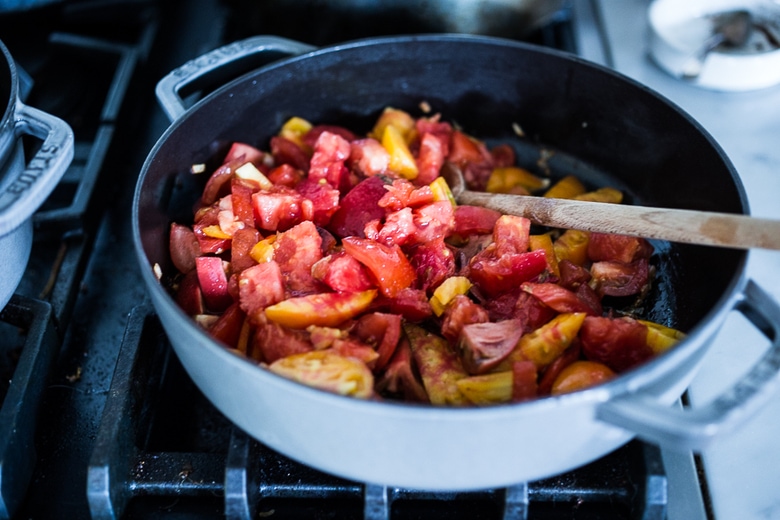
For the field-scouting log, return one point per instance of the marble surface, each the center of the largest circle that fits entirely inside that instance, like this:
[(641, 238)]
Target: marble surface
[(742, 469)]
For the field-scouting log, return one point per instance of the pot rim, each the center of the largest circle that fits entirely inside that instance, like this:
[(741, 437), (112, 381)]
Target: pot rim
[(631, 381)]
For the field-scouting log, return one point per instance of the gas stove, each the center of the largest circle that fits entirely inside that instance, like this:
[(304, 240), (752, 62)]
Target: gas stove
[(99, 420)]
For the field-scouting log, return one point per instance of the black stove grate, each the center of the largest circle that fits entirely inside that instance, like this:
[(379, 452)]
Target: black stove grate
[(162, 447), (26, 362)]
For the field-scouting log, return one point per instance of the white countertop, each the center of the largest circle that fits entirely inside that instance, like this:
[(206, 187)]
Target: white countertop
[(743, 469)]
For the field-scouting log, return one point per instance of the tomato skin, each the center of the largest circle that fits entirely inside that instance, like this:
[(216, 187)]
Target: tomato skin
[(183, 247), (189, 296), (358, 207), (387, 264), (213, 283), (243, 241)]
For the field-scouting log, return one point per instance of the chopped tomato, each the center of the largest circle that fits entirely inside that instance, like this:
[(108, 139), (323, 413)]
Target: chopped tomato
[(524, 381), (368, 157), (330, 152), (323, 309), (296, 251), (618, 248), (620, 279), (285, 151), (278, 210), (474, 220), (580, 375), (350, 259), (243, 152), (399, 379), (213, 282), (184, 247), (342, 273), (383, 332), (358, 207), (619, 343), (497, 276), (388, 264), (260, 286), (227, 328), (558, 298)]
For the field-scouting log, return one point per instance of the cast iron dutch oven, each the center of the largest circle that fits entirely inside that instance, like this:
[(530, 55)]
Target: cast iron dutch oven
[(24, 185), (583, 119)]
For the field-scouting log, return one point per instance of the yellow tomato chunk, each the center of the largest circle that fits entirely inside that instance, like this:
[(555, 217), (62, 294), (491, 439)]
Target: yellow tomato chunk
[(580, 375), (487, 389), (660, 337), (543, 345), (327, 371), (566, 188), (401, 159), (322, 309), (294, 129), (447, 291)]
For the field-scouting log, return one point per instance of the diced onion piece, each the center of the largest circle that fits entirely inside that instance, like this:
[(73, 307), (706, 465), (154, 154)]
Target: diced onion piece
[(249, 172), (327, 371), (447, 291)]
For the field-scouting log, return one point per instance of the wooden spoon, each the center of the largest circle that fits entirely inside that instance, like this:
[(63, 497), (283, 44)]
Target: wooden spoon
[(676, 225)]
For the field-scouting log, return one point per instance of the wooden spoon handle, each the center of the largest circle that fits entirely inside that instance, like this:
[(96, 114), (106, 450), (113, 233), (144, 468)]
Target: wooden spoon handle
[(676, 225)]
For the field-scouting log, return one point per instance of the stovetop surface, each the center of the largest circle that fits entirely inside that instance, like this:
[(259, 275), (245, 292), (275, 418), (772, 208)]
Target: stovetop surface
[(95, 308)]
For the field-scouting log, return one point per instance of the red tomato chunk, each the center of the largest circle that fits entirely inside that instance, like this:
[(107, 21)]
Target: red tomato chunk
[(342, 261)]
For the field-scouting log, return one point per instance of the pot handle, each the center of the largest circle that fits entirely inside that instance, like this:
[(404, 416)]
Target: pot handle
[(694, 428), (24, 194), (218, 66)]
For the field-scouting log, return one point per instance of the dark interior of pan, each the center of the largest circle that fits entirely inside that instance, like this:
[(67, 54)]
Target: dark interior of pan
[(576, 118)]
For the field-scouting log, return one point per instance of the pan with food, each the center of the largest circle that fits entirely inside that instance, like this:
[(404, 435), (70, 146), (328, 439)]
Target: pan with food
[(561, 117)]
